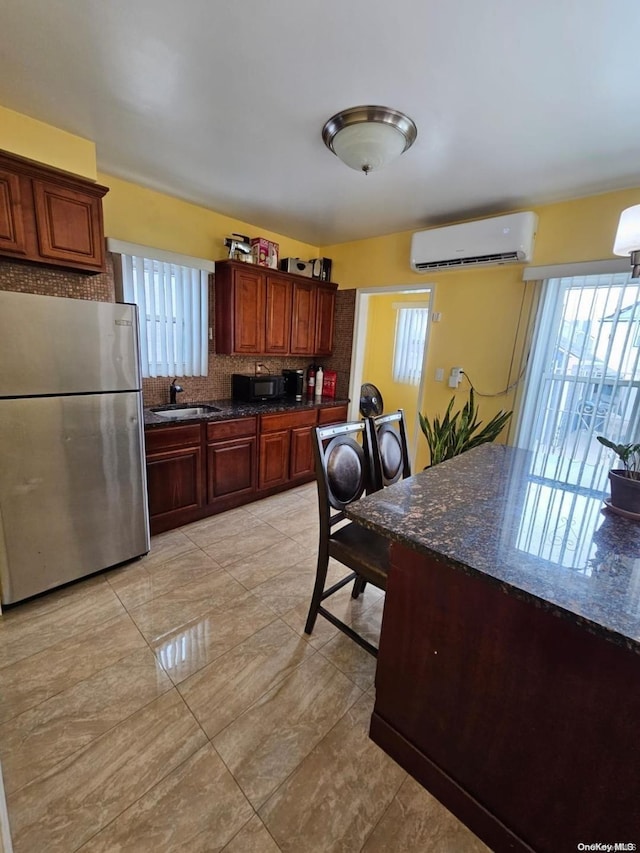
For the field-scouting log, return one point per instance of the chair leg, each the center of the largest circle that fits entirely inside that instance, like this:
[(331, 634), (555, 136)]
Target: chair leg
[(318, 589), (358, 586)]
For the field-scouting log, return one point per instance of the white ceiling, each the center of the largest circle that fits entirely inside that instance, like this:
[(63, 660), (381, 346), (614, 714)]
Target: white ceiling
[(222, 103)]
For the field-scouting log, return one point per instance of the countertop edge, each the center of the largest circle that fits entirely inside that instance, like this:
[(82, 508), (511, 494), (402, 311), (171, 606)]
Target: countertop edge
[(231, 409)]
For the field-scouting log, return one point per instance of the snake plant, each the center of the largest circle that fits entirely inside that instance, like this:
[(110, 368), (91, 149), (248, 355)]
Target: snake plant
[(459, 431)]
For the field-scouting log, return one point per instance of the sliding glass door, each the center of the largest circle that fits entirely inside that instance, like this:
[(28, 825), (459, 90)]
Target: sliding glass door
[(584, 378)]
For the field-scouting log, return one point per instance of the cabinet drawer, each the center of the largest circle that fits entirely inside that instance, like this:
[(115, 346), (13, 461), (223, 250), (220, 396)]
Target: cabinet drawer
[(163, 439), (288, 420), (231, 429), (333, 415)]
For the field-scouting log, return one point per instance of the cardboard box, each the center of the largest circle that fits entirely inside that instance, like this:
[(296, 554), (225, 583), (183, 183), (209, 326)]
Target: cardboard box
[(265, 252)]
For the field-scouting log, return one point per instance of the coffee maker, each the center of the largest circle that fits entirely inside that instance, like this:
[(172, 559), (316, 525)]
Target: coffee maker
[(294, 384)]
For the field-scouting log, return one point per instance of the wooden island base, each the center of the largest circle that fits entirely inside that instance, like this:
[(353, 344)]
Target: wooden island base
[(522, 722)]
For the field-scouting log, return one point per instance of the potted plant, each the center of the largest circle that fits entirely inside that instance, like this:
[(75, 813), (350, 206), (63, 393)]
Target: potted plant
[(625, 481), (460, 431)]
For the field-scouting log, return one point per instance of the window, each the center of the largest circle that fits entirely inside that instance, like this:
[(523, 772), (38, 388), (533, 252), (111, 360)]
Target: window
[(584, 377), (171, 293), (411, 333)]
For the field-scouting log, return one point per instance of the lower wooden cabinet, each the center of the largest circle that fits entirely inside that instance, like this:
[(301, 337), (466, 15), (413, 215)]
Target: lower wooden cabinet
[(332, 415), (174, 475), (274, 459), (231, 460), (286, 454), (199, 469)]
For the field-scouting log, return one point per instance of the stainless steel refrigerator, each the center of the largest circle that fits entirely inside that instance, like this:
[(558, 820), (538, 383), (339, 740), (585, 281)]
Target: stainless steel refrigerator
[(73, 495)]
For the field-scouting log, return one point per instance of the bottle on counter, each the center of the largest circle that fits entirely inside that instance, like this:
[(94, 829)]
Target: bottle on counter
[(319, 381), (311, 381)]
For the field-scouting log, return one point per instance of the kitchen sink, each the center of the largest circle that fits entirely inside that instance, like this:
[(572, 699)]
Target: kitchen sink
[(174, 413)]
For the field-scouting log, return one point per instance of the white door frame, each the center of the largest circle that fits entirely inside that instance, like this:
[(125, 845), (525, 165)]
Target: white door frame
[(358, 346)]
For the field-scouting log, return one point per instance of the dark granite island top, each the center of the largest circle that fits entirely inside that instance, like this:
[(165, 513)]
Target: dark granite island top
[(508, 675), (485, 513)]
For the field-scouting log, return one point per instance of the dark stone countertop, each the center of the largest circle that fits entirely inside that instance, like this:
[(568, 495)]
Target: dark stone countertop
[(230, 409), (485, 513)]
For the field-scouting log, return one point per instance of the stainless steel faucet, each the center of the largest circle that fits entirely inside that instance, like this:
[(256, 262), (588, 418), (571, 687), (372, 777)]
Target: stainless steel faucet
[(173, 390)]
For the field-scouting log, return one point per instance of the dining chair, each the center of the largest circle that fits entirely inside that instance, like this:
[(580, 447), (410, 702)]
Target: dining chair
[(389, 454), (343, 476)]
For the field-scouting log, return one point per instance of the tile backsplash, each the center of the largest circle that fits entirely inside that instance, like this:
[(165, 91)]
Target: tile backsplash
[(31, 278)]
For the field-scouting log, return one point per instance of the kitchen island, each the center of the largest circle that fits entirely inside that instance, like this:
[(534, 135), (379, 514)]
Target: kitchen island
[(508, 678)]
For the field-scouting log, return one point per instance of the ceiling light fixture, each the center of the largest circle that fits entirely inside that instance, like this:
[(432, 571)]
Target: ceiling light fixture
[(627, 242), (367, 137)]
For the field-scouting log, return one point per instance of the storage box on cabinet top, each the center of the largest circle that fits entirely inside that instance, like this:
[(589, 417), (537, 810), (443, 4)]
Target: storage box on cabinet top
[(265, 252), (297, 266)]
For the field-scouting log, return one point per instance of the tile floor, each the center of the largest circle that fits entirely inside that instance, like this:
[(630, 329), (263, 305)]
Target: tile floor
[(175, 704)]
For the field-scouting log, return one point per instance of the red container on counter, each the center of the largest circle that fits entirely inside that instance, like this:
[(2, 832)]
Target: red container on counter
[(329, 383)]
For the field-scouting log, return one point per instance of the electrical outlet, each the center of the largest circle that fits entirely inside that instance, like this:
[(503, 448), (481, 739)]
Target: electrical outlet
[(455, 377)]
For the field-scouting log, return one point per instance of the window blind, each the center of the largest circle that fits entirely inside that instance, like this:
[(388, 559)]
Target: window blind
[(411, 331), (584, 377), (172, 304)]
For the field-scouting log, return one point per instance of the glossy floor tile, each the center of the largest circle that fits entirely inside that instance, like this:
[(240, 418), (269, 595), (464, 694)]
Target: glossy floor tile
[(176, 704), (266, 743), (324, 804)]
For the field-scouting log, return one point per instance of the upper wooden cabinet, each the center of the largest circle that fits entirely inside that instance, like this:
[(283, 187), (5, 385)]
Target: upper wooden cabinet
[(303, 324), (261, 311), (278, 314), (50, 217), (325, 312), (12, 236)]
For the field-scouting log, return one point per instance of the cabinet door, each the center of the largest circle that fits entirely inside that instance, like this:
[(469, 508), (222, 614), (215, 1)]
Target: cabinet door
[(248, 311), (274, 459), (301, 455), (174, 482), (278, 315), (303, 318), (12, 235), (326, 302), (69, 225), (332, 415), (231, 468)]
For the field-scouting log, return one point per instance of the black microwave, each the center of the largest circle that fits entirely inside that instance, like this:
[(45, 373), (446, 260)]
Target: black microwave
[(250, 388)]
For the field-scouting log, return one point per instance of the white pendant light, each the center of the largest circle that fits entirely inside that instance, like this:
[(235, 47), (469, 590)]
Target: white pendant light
[(627, 242), (367, 137)]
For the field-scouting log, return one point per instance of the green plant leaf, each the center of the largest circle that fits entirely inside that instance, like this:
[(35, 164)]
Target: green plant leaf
[(459, 431), (629, 455)]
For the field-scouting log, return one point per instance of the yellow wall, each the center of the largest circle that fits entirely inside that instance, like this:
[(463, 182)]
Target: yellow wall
[(150, 218), (27, 137), (484, 309), (131, 212)]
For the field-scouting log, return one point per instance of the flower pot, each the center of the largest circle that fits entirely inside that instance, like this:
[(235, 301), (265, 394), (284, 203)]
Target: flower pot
[(625, 491)]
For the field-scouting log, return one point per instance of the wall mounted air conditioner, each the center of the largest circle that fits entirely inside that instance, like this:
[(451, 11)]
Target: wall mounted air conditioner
[(499, 240)]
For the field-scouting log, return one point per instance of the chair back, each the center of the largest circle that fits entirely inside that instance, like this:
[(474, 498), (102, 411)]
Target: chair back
[(342, 468), (389, 454), (343, 476)]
